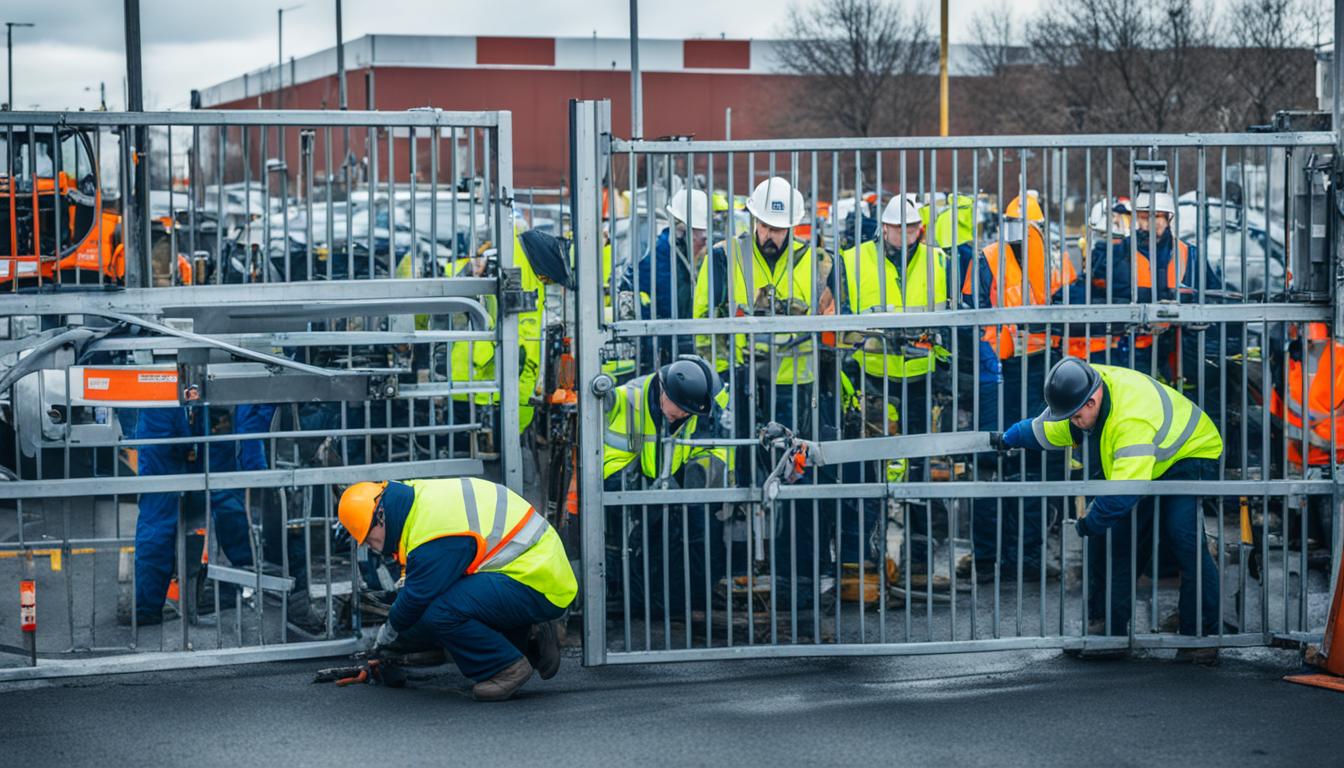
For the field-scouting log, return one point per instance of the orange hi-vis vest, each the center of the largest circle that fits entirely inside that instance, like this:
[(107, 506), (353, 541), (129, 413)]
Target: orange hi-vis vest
[(1145, 280), (1008, 276), (1321, 376)]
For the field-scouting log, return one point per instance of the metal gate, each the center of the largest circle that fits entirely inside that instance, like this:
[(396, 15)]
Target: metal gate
[(216, 320), (960, 550)]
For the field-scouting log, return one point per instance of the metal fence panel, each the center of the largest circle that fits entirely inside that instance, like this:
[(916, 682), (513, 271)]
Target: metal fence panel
[(852, 326), (301, 300)]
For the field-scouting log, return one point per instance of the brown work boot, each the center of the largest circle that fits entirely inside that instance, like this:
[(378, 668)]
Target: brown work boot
[(505, 683), (543, 650)]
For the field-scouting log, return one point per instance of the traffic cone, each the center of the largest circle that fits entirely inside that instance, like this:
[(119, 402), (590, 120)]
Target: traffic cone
[(1330, 656)]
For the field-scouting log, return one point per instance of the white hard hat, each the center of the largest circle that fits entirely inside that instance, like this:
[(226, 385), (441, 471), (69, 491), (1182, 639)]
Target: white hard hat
[(1159, 202), (777, 204), (901, 211), (676, 208)]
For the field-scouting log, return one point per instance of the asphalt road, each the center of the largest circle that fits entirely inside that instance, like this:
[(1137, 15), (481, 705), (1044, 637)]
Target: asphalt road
[(1036, 709)]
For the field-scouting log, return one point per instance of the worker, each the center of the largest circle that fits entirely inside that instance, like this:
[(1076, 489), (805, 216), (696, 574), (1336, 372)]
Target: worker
[(1022, 273), (1128, 270), (156, 524), (684, 399), (897, 370), (1313, 367), (1139, 429), (1109, 223), (472, 363), (1306, 391), (485, 575), (978, 384), (666, 273), (774, 273)]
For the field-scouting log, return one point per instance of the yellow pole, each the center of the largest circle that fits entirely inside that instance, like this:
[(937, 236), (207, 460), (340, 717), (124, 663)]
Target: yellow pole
[(942, 71)]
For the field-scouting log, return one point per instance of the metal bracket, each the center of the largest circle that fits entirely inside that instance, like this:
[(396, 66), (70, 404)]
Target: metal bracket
[(511, 294)]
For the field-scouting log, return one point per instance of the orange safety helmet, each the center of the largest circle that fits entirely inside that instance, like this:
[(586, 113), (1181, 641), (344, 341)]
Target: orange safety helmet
[(1034, 212), (359, 505)]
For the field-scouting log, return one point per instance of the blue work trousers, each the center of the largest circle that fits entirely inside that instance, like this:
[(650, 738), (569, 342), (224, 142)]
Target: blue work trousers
[(156, 525), (483, 621), (1180, 528)]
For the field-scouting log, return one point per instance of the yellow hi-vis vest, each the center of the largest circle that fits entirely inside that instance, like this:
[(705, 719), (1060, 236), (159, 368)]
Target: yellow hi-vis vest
[(874, 285), (788, 355), (1150, 427), (473, 362), (631, 434), (511, 538)]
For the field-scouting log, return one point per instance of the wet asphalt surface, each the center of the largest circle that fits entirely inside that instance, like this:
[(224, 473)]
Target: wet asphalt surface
[(1030, 709)]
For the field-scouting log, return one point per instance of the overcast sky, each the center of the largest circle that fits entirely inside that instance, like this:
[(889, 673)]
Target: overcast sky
[(195, 43)]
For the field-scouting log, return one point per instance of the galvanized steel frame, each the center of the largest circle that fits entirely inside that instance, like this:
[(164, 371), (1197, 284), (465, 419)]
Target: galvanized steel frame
[(594, 150), (337, 298)]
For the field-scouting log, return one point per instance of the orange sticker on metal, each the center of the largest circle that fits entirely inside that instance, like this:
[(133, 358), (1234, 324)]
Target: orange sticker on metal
[(130, 384)]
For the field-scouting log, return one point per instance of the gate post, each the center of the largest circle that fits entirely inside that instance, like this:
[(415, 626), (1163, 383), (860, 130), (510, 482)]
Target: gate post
[(591, 122), (510, 399)]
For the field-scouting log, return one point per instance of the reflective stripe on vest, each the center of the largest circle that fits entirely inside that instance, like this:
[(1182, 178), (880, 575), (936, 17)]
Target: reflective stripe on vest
[(1134, 400), (1320, 419), (434, 515), (789, 355), (874, 285), (1008, 277)]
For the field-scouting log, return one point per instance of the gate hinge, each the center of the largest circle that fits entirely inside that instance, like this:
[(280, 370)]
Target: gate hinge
[(511, 294)]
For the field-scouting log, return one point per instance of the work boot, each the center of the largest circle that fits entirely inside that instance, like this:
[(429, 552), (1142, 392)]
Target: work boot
[(505, 683), (1033, 572), (983, 569), (142, 619), (303, 616), (543, 650)]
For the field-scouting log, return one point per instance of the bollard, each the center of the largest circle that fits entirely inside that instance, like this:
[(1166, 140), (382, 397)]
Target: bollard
[(28, 615)]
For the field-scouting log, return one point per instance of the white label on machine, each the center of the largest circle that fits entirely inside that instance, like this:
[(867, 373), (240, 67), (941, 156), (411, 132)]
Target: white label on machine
[(98, 382), (157, 378)]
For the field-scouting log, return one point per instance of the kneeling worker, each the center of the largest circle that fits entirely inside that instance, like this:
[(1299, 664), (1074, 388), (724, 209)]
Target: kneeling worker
[(1142, 430), (482, 569)]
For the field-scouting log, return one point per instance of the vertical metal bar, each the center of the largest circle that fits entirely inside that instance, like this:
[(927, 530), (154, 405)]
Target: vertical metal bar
[(588, 117)]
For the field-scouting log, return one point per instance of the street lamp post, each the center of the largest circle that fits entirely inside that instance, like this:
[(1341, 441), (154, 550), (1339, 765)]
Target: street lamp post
[(9, 53), (280, 54)]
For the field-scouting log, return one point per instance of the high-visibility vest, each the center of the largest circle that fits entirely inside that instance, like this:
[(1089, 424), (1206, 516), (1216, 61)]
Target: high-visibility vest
[(1145, 280), (1320, 371), (473, 362), (788, 355), (1150, 427), (874, 284), (1008, 277), (631, 434), (511, 538)]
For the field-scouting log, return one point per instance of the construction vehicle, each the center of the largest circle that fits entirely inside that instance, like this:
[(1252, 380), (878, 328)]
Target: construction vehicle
[(55, 225)]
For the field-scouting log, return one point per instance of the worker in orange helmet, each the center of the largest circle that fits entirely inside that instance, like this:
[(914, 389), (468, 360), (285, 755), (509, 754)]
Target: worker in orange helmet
[(485, 575)]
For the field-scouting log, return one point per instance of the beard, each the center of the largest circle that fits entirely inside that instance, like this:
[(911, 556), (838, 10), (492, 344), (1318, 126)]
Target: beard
[(768, 248)]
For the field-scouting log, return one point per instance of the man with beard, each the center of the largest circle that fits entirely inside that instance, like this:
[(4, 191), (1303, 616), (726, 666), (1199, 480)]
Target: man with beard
[(767, 272)]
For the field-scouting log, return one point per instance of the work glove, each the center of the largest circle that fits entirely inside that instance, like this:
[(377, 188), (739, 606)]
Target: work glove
[(996, 442), (386, 636), (1084, 530)]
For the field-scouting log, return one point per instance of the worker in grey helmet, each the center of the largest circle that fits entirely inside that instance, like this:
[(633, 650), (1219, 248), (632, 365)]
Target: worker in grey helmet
[(647, 420)]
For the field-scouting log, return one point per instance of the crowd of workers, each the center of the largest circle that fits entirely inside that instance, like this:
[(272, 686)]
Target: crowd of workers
[(485, 575)]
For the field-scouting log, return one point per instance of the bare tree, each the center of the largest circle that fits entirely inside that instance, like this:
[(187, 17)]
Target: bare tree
[(993, 52), (1125, 65), (1264, 54), (868, 63)]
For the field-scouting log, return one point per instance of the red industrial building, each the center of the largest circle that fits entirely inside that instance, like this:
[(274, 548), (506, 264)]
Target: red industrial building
[(688, 86)]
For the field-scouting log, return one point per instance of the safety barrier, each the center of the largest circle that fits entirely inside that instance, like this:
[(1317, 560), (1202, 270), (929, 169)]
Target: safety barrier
[(216, 320), (940, 545)]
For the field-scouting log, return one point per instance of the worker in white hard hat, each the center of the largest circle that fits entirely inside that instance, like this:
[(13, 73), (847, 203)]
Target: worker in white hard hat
[(1145, 266), (895, 371), (666, 273), (770, 271)]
